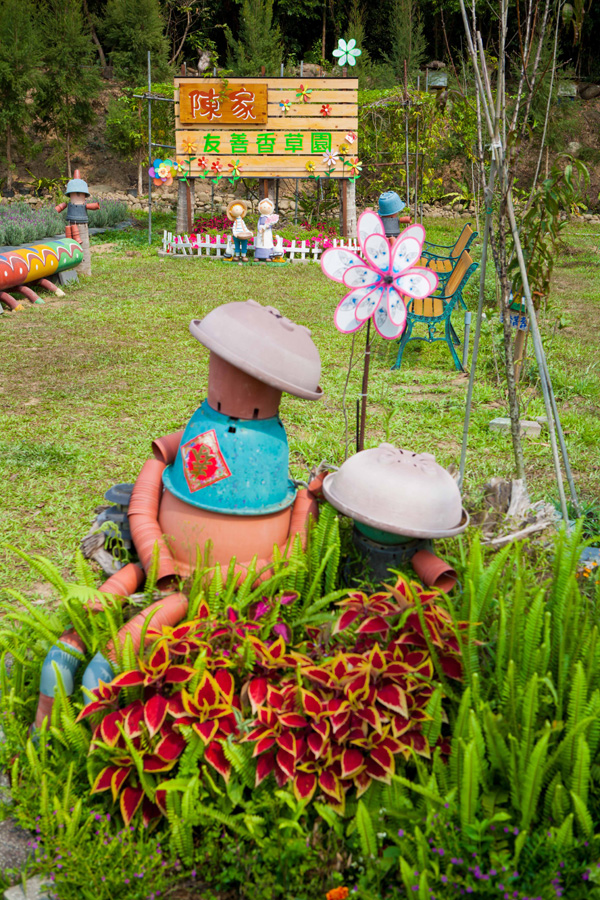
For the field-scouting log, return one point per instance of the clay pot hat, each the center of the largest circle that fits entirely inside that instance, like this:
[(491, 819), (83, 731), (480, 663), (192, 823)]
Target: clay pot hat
[(236, 203), (390, 204), (399, 492), (77, 186), (260, 341)]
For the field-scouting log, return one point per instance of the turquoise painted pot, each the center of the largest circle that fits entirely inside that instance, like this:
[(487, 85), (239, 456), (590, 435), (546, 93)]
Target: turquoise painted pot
[(229, 465), (390, 204)]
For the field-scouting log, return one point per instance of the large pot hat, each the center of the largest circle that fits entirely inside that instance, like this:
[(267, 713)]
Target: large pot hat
[(236, 203)]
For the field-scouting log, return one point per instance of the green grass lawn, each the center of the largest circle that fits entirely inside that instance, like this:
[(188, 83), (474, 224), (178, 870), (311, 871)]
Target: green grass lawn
[(91, 379)]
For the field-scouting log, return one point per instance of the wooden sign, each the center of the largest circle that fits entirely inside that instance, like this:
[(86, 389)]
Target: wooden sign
[(267, 128), (229, 103)]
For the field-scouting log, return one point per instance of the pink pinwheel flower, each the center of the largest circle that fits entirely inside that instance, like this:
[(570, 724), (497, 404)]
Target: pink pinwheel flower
[(381, 279)]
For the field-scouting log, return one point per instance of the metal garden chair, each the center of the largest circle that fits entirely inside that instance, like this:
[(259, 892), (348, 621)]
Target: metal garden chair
[(444, 262), (435, 312)]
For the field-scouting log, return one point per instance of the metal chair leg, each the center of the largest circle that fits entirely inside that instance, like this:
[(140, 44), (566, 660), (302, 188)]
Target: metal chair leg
[(403, 342), (457, 362)]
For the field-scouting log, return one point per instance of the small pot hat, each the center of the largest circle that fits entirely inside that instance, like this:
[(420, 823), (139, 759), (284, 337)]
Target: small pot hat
[(236, 203), (390, 204)]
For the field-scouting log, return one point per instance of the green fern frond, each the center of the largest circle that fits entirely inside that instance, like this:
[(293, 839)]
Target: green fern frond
[(366, 832), (533, 780)]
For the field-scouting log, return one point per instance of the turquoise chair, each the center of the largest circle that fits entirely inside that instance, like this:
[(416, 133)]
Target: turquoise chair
[(435, 312), (442, 258)]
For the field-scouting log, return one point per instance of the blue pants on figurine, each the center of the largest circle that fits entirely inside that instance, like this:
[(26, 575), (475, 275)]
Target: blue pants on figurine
[(240, 246)]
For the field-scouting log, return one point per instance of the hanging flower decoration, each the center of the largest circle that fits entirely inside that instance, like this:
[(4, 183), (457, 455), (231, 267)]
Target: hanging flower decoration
[(347, 53), (351, 137), (330, 158), (303, 93), (236, 170), (355, 166), (285, 105), (188, 146), (381, 279), (162, 171), (343, 149), (326, 109)]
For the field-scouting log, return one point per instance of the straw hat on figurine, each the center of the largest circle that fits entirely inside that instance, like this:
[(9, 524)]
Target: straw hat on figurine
[(236, 203)]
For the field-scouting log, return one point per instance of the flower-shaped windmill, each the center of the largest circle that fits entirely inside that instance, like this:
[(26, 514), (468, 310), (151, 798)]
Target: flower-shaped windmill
[(378, 282), (381, 279), (162, 171), (347, 53)]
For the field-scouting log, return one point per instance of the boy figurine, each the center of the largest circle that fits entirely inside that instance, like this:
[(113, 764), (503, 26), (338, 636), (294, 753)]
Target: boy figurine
[(77, 218), (389, 207), (236, 211)]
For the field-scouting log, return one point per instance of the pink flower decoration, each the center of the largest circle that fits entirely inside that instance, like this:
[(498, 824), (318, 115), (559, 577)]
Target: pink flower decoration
[(326, 109), (381, 279), (217, 166)]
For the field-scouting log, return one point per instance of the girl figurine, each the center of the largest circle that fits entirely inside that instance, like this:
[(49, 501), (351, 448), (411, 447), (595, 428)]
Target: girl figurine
[(264, 238), (236, 211)]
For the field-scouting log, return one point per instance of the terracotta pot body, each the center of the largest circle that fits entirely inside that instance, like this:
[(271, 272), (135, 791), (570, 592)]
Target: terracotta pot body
[(237, 394), (433, 571), (187, 528)]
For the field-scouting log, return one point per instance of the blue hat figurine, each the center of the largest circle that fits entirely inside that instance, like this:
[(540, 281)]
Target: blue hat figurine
[(389, 207)]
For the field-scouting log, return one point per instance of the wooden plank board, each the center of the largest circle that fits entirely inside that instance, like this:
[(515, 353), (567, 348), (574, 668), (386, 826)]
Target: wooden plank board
[(272, 166), (339, 110), (329, 84), (295, 143), (283, 124)]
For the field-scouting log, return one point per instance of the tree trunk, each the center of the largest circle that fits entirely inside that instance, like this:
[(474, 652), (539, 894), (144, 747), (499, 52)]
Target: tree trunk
[(140, 173), (68, 152), (505, 288), (9, 176), (182, 205), (94, 35)]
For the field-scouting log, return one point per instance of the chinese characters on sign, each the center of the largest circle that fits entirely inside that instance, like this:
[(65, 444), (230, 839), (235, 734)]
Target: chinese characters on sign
[(226, 104)]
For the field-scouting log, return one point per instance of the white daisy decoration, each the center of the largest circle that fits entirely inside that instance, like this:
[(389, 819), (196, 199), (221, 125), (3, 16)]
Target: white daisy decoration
[(380, 280), (330, 158), (347, 53)]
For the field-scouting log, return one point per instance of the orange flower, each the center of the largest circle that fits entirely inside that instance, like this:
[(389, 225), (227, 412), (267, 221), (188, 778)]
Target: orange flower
[(338, 893)]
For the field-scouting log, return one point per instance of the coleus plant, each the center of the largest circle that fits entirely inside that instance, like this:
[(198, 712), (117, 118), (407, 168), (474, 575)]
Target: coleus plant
[(328, 715)]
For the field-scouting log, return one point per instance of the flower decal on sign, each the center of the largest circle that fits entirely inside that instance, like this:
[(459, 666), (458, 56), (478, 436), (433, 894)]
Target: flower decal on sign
[(285, 105), (236, 170), (188, 146), (330, 158), (202, 163), (343, 149), (381, 279), (216, 167), (303, 93), (203, 462), (326, 109), (355, 166), (310, 166), (162, 171), (347, 53)]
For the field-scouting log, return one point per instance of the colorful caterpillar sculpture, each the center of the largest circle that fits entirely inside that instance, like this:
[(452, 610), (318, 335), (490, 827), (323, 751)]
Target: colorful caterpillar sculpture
[(33, 264)]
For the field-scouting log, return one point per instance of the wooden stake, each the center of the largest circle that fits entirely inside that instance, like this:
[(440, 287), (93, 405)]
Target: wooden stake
[(188, 196)]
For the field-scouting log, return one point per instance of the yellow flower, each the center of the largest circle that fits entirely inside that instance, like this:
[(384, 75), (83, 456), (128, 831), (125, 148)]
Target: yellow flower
[(343, 148), (310, 166)]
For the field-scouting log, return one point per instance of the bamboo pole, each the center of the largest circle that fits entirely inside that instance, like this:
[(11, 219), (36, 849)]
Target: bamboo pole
[(498, 150)]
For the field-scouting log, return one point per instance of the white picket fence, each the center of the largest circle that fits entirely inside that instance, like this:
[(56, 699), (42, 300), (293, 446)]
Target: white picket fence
[(206, 245)]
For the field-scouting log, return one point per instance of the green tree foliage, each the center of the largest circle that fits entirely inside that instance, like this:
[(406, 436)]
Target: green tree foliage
[(408, 40), (259, 42), (131, 28), (65, 95), (19, 59), (127, 125)]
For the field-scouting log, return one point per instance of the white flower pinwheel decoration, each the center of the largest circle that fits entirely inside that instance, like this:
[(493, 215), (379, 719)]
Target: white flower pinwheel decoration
[(346, 53), (381, 279)]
